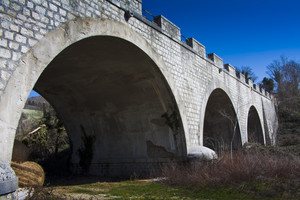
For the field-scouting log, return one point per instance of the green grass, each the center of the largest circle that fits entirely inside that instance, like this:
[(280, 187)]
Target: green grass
[(146, 190), (33, 114), (159, 191)]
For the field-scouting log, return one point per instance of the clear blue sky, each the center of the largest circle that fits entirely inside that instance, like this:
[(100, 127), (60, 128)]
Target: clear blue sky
[(242, 32)]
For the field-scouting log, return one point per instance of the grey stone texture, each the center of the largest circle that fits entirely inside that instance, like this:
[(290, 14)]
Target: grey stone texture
[(34, 32), (8, 179)]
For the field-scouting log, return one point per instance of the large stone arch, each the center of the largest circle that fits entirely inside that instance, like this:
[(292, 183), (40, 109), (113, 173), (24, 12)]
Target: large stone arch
[(255, 132), (213, 85), (33, 63), (219, 120)]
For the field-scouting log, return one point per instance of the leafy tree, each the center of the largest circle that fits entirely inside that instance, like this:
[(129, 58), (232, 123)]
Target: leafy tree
[(56, 130), (48, 138), (275, 70), (268, 84), (248, 73)]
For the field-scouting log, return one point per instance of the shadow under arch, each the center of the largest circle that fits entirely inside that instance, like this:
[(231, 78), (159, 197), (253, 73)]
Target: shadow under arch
[(221, 130), (254, 127), (151, 79)]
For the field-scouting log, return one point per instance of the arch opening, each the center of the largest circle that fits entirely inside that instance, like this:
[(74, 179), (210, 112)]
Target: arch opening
[(41, 137), (221, 127), (254, 128), (117, 107)]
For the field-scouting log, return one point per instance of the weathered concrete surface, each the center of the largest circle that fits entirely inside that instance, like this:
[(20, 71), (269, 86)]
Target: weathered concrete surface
[(8, 179), (254, 127), (221, 127), (111, 89), (115, 76)]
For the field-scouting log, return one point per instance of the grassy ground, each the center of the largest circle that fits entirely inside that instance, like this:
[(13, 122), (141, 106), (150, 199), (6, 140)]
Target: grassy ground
[(74, 188), (29, 121), (265, 173), (33, 115)]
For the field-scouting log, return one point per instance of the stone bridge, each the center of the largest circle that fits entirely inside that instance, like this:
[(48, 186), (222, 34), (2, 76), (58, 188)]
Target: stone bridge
[(129, 84)]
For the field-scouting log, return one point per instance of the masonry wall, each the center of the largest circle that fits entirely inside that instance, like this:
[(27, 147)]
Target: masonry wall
[(25, 22)]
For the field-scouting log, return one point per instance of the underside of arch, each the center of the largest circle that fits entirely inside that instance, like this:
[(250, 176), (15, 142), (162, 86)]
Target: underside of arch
[(103, 79), (221, 128), (254, 128), (107, 89)]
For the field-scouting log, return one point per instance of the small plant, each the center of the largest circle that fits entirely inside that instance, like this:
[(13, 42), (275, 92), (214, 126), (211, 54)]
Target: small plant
[(172, 120), (86, 151)]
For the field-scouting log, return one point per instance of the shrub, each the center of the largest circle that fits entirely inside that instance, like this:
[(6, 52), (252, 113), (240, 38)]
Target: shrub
[(289, 140), (243, 167)]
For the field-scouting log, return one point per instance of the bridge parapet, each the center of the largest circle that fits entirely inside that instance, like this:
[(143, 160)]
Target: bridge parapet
[(168, 27), (263, 91), (216, 59), (134, 5), (231, 70), (197, 46)]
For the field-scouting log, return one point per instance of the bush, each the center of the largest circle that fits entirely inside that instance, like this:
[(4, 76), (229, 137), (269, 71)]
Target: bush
[(243, 167), (289, 140)]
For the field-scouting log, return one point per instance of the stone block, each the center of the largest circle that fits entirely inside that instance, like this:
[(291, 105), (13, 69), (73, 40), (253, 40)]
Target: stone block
[(14, 27), (9, 35), (21, 39), (5, 53), (41, 10), (53, 7), (26, 32), (36, 16), (3, 42), (197, 46), (255, 87), (24, 49), (4, 75), (216, 59), (168, 27), (243, 78), (229, 68)]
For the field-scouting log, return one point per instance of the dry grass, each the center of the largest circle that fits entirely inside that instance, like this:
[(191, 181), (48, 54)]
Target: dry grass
[(29, 174), (243, 167)]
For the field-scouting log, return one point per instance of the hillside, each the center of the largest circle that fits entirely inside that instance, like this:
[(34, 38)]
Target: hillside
[(36, 103)]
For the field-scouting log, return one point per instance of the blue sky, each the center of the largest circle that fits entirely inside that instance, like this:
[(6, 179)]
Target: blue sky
[(242, 32)]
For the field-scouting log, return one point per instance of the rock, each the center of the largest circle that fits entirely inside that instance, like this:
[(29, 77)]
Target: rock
[(201, 152)]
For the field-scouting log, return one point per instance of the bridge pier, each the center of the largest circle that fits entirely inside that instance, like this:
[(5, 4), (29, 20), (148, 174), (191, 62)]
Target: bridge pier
[(8, 179)]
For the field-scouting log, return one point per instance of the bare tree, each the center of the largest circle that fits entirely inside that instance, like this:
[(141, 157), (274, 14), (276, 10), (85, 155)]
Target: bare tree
[(234, 122), (286, 74)]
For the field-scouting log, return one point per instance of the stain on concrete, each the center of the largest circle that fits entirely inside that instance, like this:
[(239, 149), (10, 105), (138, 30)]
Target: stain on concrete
[(159, 122), (155, 151)]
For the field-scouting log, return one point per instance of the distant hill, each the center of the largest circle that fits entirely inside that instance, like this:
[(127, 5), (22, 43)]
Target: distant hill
[(36, 103)]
